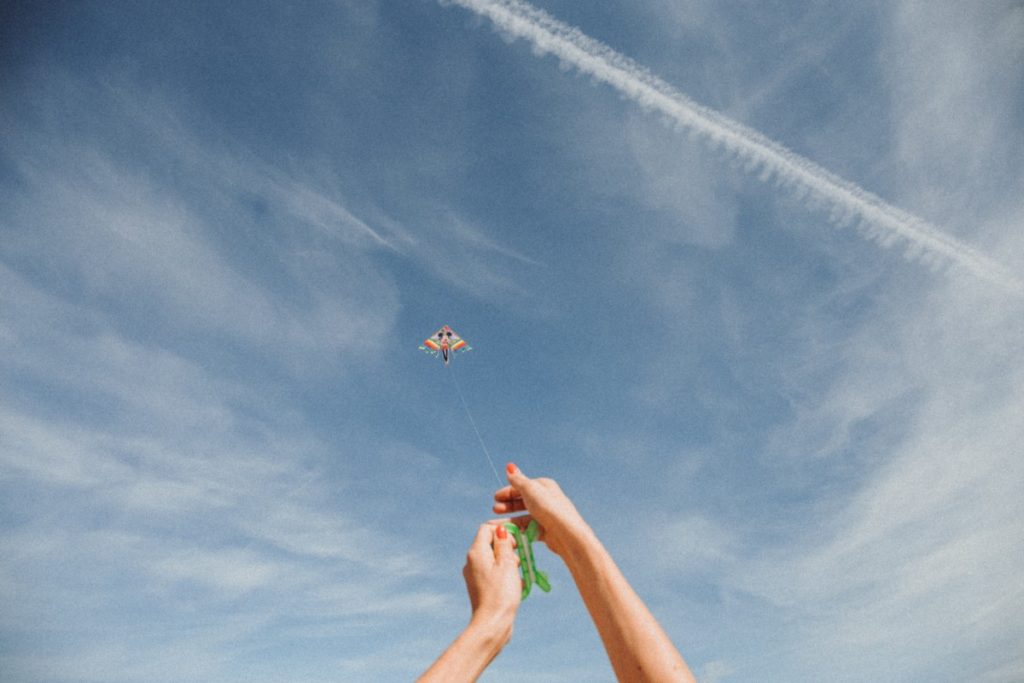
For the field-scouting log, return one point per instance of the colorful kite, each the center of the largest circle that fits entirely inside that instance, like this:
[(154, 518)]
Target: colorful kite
[(445, 342)]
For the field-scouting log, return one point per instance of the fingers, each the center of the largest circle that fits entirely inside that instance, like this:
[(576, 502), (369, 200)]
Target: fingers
[(506, 493), (481, 545), (515, 476), (522, 522), (512, 506), (509, 498), (503, 551)]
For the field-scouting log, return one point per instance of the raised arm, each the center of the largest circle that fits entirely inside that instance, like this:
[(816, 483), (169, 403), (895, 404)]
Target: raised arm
[(637, 646), (494, 587)]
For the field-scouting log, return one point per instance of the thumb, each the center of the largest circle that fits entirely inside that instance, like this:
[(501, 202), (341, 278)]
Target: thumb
[(516, 476), (502, 545)]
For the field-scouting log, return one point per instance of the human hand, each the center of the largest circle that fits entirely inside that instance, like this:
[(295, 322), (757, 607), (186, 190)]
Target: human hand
[(494, 586), (492, 578), (545, 502)]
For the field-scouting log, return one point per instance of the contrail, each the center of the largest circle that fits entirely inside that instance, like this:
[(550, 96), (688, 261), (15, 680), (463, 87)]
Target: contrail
[(847, 203)]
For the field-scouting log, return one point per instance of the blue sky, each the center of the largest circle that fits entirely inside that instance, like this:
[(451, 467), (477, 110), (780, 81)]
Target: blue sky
[(794, 416)]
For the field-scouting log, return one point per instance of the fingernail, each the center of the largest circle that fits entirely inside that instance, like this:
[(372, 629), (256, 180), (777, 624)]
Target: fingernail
[(511, 468), (502, 533)]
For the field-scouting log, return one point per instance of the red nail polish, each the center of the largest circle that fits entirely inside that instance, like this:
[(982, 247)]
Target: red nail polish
[(511, 468), (502, 534)]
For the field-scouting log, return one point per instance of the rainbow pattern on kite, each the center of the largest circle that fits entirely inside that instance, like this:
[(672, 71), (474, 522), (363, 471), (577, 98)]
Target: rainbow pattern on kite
[(444, 342)]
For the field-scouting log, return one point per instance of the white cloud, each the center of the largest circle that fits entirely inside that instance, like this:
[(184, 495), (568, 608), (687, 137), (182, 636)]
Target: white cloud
[(845, 202), (930, 540), (123, 231), (168, 490), (674, 181), (461, 254), (901, 446), (692, 544), (715, 671), (956, 117)]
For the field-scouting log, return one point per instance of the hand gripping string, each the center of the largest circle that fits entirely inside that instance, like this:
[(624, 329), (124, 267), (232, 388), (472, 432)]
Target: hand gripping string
[(524, 539)]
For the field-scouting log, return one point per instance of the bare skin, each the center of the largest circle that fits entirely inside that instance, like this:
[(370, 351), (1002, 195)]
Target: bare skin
[(638, 648), (492, 581)]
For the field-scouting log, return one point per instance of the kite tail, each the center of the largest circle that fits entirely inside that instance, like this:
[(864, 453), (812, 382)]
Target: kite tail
[(479, 438)]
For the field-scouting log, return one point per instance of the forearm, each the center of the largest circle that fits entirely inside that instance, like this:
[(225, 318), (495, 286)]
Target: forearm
[(470, 653), (637, 646)]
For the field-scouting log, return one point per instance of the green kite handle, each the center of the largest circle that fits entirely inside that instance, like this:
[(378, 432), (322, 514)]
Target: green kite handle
[(527, 565), (532, 532)]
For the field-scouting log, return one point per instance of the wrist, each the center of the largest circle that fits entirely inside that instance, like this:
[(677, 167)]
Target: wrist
[(579, 540), (494, 628)]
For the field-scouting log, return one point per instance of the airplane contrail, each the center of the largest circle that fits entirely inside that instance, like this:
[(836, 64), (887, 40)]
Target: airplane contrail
[(847, 202)]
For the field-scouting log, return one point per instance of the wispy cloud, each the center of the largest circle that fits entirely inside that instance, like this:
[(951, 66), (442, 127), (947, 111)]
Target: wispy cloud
[(327, 234), (922, 528), (715, 671), (846, 203), (142, 233), (169, 489)]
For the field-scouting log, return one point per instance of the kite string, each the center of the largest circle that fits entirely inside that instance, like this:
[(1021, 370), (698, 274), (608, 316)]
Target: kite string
[(479, 438)]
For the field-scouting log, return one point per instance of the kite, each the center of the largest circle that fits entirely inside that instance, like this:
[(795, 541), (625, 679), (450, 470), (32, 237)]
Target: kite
[(445, 342)]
